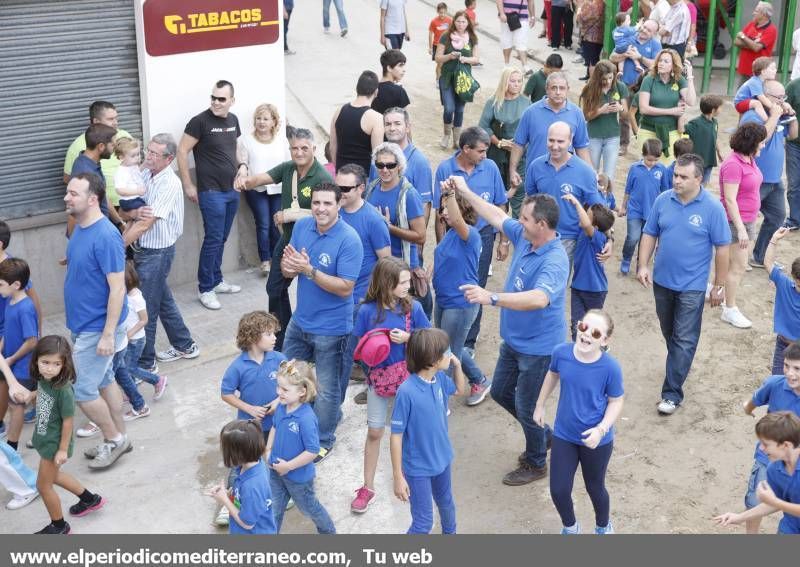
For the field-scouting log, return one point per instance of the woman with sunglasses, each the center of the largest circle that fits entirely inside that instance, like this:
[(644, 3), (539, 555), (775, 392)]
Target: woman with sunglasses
[(589, 402)]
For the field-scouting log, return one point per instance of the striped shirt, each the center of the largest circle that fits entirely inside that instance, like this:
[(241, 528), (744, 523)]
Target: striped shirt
[(514, 6), (165, 196)]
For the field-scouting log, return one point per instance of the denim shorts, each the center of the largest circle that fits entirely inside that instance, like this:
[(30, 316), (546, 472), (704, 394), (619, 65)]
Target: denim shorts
[(758, 474), (377, 409), (93, 372)]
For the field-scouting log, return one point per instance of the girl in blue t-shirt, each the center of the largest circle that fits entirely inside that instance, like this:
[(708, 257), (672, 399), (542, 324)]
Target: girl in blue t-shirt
[(589, 402), (294, 444), (249, 501), (455, 263), (420, 445), (606, 191), (786, 318), (387, 305)]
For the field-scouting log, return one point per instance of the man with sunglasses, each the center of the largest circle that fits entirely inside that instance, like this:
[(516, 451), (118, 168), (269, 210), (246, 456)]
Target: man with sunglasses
[(211, 137), (770, 162)]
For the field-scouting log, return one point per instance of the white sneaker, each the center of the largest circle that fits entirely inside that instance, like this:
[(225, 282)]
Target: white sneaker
[(667, 407), (225, 287), (222, 518), (21, 501), (89, 430), (733, 316), (209, 300)]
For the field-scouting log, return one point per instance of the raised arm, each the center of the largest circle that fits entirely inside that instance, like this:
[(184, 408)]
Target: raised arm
[(492, 214)]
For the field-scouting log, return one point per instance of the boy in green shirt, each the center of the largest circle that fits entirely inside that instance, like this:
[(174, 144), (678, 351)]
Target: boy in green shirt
[(703, 132), (535, 87)]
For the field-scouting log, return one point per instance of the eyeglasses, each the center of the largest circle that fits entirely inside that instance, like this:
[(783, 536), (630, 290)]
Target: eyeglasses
[(779, 97), (382, 165), (222, 99), (596, 333), (346, 188), (151, 153)]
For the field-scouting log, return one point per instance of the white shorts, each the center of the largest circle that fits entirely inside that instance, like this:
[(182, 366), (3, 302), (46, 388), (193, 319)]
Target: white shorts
[(518, 39)]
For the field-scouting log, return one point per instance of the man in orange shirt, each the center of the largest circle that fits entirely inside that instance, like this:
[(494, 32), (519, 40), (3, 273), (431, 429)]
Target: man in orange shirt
[(757, 39)]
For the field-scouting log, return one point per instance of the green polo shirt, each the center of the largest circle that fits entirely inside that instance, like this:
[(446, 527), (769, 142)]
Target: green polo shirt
[(793, 98), (703, 133), (282, 173), (109, 166), (607, 125), (535, 87), (662, 95)]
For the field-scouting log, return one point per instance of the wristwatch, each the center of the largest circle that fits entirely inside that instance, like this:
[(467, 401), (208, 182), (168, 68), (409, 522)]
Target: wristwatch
[(494, 299), (313, 274)]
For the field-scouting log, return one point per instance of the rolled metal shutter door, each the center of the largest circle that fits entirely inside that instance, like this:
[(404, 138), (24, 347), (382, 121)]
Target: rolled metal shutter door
[(56, 58)]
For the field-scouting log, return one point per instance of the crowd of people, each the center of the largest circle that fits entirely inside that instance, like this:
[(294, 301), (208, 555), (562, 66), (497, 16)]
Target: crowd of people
[(532, 184)]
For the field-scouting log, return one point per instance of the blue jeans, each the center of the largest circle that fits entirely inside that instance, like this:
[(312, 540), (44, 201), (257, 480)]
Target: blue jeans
[(517, 381), (347, 358), (395, 39), (793, 180), (484, 263), (132, 354), (707, 174), (125, 380), (564, 460), (456, 323), (326, 352), (264, 206), (680, 314), (773, 207), (452, 103), (218, 209), (153, 266), (425, 490), (278, 294), (326, 14), (304, 498), (581, 302), (608, 150), (632, 238)]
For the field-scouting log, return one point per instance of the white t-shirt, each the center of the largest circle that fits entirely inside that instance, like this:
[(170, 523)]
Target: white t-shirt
[(796, 47), (395, 21), (128, 177), (263, 157), (660, 11), (136, 303)]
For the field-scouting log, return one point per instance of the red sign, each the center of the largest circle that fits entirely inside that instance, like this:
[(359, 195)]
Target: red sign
[(186, 26)]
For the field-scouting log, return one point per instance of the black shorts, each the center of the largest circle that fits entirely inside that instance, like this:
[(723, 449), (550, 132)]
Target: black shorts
[(591, 52)]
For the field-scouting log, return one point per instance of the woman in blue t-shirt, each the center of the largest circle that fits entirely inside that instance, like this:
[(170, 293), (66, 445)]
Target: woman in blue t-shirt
[(589, 403), (387, 305), (455, 263)]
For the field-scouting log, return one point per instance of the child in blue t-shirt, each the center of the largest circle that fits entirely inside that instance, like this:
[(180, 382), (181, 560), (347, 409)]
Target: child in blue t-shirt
[(778, 393), (786, 318), (420, 445), (606, 191), (20, 335), (779, 437), (751, 95), (294, 444), (249, 500), (589, 282), (625, 36), (589, 402), (647, 178), (679, 147)]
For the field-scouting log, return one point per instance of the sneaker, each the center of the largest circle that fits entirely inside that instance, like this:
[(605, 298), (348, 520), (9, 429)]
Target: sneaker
[(222, 518), (132, 414), (160, 387), (209, 300), (525, 474), (357, 373), (364, 497), (21, 501), (478, 392), (225, 287), (30, 415), (108, 453), (137, 381), (667, 407), (82, 508), (322, 455), (326, 30), (625, 267), (89, 430), (491, 273), (607, 530), (733, 316), (755, 263), (343, 32), (360, 398), (290, 504), (50, 529), (265, 267), (622, 150), (288, 51), (469, 351), (153, 369), (572, 530), (174, 354)]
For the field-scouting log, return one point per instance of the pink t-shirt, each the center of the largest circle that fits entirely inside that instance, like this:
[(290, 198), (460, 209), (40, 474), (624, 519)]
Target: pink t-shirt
[(692, 11), (735, 170)]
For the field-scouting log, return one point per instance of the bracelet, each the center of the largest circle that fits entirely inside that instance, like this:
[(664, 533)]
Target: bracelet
[(243, 164)]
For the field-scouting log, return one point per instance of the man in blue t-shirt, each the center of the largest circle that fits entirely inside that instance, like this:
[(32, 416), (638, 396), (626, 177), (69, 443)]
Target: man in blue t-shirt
[(532, 316), (770, 162), (94, 299), (689, 225), (327, 252)]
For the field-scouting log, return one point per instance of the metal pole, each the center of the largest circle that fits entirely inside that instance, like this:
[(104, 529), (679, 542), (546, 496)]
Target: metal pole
[(612, 7), (788, 30), (635, 12), (709, 55), (734, 53)]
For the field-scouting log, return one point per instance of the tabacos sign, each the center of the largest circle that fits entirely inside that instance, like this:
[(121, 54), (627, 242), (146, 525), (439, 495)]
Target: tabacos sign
[(186, 26)]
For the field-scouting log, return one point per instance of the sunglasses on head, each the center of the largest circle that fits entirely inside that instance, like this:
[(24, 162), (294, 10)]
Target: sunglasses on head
[(382, 165), (596, 333), (222, 99), (346, 188)]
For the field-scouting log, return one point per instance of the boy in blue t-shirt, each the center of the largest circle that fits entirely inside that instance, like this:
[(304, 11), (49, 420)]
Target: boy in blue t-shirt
[(679, 147), (589, 282), (786, 318), (751, 95), (20, 335), (624, 36), (779, 437)]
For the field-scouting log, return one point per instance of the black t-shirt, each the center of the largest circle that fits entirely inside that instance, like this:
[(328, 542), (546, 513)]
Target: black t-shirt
[(389, 96), (215, 153)]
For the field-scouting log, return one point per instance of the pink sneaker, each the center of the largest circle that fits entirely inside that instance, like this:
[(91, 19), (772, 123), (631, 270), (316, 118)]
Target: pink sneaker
[(364, 497), (160, 387)]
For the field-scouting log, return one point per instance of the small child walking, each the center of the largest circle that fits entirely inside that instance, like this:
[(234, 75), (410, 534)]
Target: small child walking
[(606, 191), (249, 501), (294, 444), (51, 366), (420, 443), (437, 27)]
